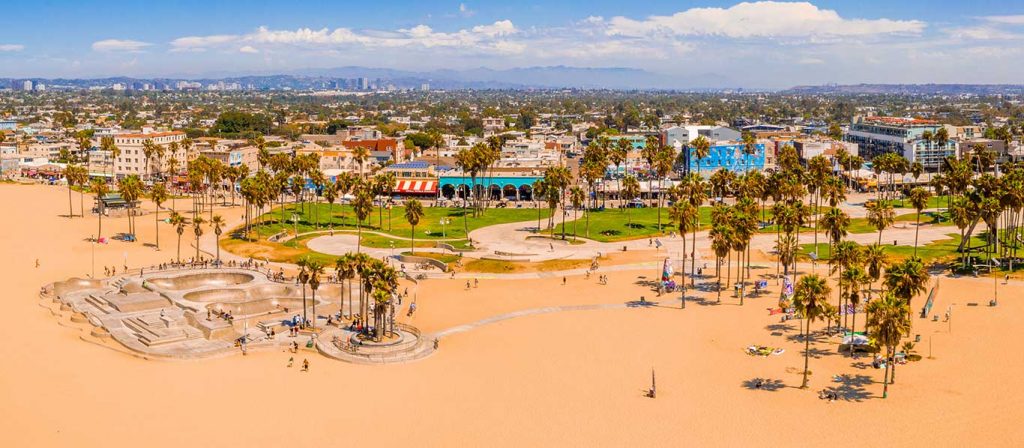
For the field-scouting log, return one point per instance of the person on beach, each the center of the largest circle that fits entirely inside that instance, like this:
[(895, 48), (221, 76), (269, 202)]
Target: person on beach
[(291, 359), (305, 365)]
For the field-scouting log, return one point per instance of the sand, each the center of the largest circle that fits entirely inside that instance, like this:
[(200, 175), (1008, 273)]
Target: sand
[(565, 378)]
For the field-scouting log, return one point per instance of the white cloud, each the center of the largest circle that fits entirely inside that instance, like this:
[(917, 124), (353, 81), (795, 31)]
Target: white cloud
[(984, 32), (1006, 20), (765, 19), (810, 61), (464, 11), (480, 37), (119, 45), (248, 49), (11, 47)]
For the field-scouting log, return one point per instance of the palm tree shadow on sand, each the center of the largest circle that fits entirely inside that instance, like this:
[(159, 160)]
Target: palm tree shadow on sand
[(852, 388), (768, 385)]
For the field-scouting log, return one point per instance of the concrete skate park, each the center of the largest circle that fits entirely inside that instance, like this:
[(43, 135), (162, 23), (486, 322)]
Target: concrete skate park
[(191, 313)]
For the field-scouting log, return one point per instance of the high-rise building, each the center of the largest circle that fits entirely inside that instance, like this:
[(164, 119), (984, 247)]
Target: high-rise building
[(363, 83), (26, 85)]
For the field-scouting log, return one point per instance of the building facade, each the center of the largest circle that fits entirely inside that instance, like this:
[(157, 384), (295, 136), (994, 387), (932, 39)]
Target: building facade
[(133, 160), (878, 135)]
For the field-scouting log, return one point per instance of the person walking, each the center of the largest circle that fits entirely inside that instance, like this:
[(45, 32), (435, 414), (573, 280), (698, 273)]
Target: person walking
[(305, 365)]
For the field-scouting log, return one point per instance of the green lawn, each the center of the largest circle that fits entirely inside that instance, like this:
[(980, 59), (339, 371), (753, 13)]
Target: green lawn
[(623, 224), (861, 225), (430, 227), (933, 202), (933, 252)]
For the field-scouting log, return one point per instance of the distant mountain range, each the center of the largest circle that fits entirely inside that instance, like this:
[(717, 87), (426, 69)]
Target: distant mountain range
[(551, 77), (910, 89)]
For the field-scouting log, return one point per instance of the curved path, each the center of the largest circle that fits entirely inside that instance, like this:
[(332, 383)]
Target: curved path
[(527, 312)]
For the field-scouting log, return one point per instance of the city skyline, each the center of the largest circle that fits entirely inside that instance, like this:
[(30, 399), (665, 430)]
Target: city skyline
[(756, 44)]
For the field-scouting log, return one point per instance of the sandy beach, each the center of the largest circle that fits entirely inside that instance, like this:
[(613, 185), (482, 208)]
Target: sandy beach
[(559, 378)]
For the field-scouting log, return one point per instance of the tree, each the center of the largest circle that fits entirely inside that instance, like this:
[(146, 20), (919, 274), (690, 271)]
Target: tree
[(630, 190), (130, 188), (686, 218), (701, 148), (576, 197), (907, 278), (888, 321), (100, 189), (721, 243), (413, 213), (314, 269), (75, 175), (661, 163), (919, 199), (362, 205), (218, 227), (303, 278), (810, 299), (159, 195), (179, 222), (197, 228), (880, 215)]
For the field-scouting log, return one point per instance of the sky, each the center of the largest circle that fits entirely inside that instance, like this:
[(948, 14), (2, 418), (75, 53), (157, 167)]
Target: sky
[(755, 44)]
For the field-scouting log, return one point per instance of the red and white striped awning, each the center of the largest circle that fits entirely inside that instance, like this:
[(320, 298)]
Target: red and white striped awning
[(416, 186)]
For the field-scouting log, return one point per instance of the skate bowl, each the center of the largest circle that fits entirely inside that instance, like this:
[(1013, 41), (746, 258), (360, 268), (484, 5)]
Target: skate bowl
[(75, 284), (193, 281), (259, 307), (216, 295)]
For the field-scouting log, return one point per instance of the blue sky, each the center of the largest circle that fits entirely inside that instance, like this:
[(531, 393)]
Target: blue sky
[(758, 44)]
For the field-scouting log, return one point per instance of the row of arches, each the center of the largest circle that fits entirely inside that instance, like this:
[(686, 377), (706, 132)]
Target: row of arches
[(496, 192)]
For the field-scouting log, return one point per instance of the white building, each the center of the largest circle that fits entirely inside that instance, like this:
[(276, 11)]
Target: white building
[(133, 158)]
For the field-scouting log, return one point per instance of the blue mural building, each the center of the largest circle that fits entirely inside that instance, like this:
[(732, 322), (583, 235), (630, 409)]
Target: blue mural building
[(727, 156)]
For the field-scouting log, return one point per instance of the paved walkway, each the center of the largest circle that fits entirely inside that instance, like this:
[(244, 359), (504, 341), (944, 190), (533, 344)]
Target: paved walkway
[(529, 312)]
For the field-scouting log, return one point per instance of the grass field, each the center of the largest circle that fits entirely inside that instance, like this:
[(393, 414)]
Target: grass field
[(937, 251), (394, 223), (933, 202)]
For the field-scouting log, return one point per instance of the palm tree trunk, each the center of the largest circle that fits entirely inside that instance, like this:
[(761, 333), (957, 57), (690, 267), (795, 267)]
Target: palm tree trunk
[(157, 226), (71, 211), (682, 272), (304, 317), (412, 248), (807, 352), (885, 376), (917, 229)]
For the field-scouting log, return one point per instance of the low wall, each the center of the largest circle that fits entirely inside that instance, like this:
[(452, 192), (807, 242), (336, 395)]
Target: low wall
[(414, 259), (449, 247)]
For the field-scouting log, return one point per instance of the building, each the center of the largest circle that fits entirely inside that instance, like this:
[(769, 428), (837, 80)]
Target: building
[(688, 133), (26, 85), (8, 125), (234, 154), (878, 135), (726, 155), (133, 160), (810, 148), (414, 178), (493, 124)]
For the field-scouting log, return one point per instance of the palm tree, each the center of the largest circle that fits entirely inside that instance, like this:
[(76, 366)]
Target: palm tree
[(701, 149), (661, 164), (345, 267), (100, 189), (362, 205), (72, 177), (880, 215), (888, 321), (686, 217), (159, 195), (130, 188), (537, 189), (197, 228), (919, 199), (218, 227), (314, 270), (413, 213), (179, 222), (331, 195), (875, 260), (721, 243), (810, 299), (696, 190), (303, 278), (850, 281), (577, 197), (845, 254), (630, 189), (907, 279)]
